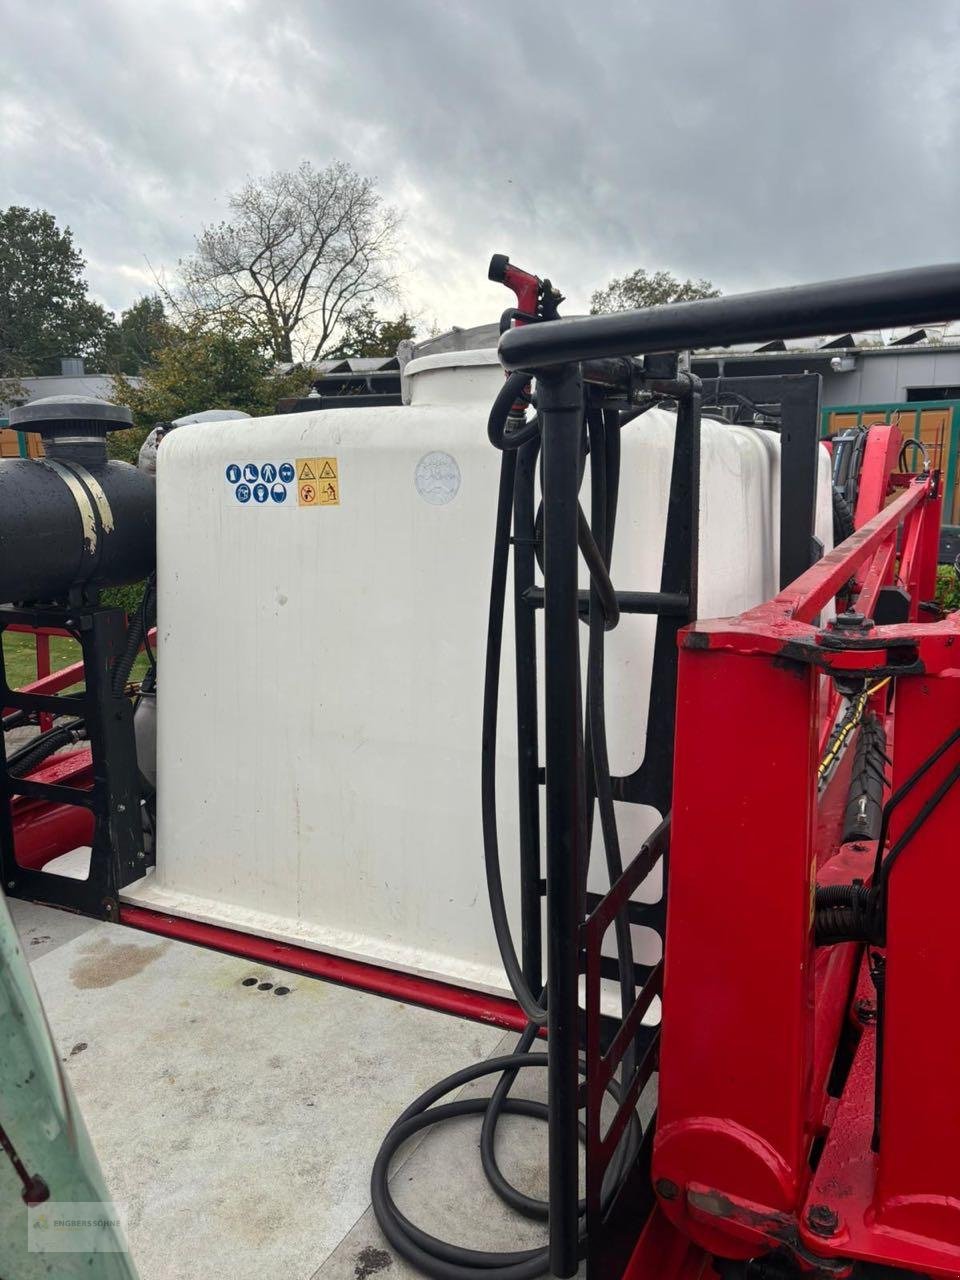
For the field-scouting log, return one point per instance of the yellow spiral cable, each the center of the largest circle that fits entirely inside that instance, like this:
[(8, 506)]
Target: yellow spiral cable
[(853, 718)]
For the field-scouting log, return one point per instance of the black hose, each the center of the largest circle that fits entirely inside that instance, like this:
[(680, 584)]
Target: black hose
[(921, 449), (33, 754), (528, 1002), (435, 1257), (510, 394), (606, 596), (137, 629), (846, 913), (16, 719)]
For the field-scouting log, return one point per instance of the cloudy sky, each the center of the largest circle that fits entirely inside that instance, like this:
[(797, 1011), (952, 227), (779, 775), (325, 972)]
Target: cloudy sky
[(755, 142)]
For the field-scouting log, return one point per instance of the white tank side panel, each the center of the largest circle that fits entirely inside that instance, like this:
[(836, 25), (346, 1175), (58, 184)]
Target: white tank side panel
[(322, 667), (320, 707)]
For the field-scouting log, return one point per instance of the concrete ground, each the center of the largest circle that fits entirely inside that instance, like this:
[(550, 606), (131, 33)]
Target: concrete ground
[(238, 1126)]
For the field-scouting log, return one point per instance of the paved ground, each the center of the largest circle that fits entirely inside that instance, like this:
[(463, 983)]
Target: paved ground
[(239, 1126)]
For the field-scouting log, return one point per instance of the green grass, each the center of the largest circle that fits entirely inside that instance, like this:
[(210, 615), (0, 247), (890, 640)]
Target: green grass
[(19, 656), (948, 588)]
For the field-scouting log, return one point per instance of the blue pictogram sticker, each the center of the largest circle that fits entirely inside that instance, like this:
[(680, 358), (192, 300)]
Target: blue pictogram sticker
[(251, 472), (233, 473), (260, 493), (243, 492), (286, 472), (279, 492), (268, 473)]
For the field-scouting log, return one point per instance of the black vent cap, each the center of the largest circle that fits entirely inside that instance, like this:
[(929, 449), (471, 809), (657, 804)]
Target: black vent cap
[(54, 416)]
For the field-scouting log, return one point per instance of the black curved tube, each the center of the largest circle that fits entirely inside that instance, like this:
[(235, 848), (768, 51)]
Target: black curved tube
[(438, 1258), (24, 761), (916, 296), (528, 1002), (137, 630), (508, 395), (599, 576), (435, 1257)]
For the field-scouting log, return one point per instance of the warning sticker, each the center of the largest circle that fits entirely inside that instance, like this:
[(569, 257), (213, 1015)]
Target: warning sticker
[(318, 482)]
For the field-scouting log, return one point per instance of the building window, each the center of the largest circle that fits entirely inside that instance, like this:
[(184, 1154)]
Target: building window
[(933, 393)]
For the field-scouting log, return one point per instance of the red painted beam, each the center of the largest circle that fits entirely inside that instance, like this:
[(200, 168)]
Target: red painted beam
[(884, 442), (63, 678), (42, 831), (426, 992)]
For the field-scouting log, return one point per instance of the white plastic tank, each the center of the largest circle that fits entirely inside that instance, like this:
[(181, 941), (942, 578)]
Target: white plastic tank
[(323, 593)]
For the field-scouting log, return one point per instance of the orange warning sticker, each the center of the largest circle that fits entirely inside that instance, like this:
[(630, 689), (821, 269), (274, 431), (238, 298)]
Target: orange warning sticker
[(318, 482)]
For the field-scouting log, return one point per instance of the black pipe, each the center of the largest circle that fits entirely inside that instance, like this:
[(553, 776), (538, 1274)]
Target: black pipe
[(560, 397), (891, 298)]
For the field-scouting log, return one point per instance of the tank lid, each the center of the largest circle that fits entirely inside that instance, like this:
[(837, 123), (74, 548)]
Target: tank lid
[(486, 356), (209, 415), (55, 416)]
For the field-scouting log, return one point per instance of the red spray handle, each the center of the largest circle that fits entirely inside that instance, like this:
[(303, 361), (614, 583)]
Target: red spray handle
[(527, 287)]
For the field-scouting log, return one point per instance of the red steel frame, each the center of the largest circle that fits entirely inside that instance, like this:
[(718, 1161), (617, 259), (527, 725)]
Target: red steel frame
[(42, 642), (753, 1149)]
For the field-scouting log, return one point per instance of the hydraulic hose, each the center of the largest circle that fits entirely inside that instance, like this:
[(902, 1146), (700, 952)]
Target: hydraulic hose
[(137, 630), (528, 1002), (510, 394), (430, 1254), (33, 754)]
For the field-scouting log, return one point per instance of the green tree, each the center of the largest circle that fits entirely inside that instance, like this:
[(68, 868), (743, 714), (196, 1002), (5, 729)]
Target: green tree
[(202, 367), (363, 333), (643, 289), (45, 312), (142, 330)]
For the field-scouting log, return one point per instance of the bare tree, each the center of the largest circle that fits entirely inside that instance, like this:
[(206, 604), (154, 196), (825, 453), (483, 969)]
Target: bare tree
[(299, 249)]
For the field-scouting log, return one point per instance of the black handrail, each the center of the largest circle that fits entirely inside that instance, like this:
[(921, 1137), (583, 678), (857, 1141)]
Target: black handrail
[(920, 295)]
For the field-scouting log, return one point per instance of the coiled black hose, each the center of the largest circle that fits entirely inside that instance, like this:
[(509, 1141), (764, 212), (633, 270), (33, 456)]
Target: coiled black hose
[(847, 913), (435, 1257)]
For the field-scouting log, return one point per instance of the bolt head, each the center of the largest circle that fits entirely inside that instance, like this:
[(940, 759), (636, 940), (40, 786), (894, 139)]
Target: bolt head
[(822, 1220), (666, 1189), (851, 620)]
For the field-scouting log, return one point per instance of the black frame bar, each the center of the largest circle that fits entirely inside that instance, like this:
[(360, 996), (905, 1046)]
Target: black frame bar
[(798, 395), (117, 855), (652, 782), (560, 395)]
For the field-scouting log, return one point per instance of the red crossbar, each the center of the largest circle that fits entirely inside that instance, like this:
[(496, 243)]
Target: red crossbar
[(813, 590), (426, 992)]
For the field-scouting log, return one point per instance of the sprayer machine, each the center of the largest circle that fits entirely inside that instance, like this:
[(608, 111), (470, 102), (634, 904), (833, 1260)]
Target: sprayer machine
[(669, 791)]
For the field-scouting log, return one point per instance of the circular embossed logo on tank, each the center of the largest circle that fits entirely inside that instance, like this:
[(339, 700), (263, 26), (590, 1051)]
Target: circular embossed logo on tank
[(437, 478)]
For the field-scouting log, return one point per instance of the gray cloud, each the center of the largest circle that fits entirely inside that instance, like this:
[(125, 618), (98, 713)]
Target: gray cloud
[(752, 141)]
